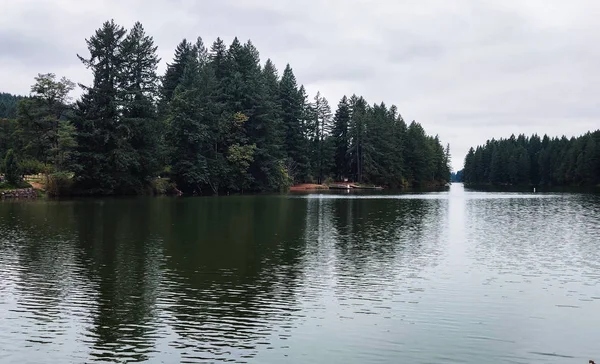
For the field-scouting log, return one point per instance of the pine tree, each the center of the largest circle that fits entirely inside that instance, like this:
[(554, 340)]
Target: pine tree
[(139, 90), (66, 146), (322, 129), (174, 73), (292, 107), (373, 144), (398, 167), (7, 139), (418, 155), (269, 165), (219, 59), (341, 123), (103, 156), (448, 159), (188, 134), (12, 170), (358, 118), (469, 167)]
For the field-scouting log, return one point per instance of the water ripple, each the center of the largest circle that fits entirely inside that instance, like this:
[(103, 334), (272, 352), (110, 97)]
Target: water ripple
[(460, 277)]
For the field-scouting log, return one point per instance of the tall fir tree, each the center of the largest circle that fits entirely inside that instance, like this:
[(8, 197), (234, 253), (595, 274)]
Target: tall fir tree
[(357, 129), (292, 101), (188, 133), (341, 123), (322, 129), (139, 91), (270, 162), (104, 158), (174, 74)]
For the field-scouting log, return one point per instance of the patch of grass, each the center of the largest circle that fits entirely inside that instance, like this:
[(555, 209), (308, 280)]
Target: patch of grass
[(5, 186)]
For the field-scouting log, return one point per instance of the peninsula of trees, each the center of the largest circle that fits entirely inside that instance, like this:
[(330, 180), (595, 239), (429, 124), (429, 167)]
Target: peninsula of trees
[(544, 161), (218, 121)]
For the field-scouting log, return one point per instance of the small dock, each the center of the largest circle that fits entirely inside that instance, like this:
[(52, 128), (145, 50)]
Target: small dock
[(359, 187), (339, 186)]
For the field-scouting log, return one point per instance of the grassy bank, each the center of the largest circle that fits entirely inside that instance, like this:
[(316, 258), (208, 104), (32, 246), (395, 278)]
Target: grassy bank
[(5, 186)]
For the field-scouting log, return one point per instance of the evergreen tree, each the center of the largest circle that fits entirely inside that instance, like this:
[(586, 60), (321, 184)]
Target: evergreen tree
[(188, 133), (292, 112), (174, 73), (66, 146), (7, 140), (375, 144), (12, 170), (418, 155), (219, 60), (341, 123), (268, 134), (358, 118), (104, 157), (397, 164), (139, 90), (469, 168), (322, 128)]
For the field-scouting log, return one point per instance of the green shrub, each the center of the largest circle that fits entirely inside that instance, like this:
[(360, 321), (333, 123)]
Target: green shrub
[(5, 185), (285, 181), (12, 169), (166, 172), (33, 166), (59, 184), (163, 186)]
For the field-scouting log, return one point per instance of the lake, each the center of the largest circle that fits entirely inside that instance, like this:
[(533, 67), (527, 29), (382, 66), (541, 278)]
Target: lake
[(449, 277)]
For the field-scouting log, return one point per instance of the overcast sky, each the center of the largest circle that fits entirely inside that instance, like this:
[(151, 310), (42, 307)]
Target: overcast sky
[(467, 70)]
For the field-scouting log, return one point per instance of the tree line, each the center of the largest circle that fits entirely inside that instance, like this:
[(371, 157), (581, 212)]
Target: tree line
[(535, 161), (457, 176), (217, 121), (8, 105)]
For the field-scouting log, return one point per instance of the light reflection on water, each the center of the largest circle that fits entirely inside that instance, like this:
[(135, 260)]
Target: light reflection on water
[(459, 276)]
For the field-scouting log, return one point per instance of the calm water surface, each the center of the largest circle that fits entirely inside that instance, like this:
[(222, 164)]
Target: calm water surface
[(450, 277)]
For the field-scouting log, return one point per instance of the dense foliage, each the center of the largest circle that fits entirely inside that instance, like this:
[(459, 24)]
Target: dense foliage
[(218, 121), (538, 161), (8, 105), (11, 168), (457, 176)]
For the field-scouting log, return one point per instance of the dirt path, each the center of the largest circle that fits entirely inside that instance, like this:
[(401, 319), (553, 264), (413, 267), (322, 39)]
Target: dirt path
[(38, 186)]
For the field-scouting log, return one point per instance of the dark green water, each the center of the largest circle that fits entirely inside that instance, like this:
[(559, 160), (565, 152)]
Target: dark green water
[(447, 277)]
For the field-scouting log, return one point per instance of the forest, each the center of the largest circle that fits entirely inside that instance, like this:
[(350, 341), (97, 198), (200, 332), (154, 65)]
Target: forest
[(217, 121), (457, 176), (521, 161), (8, 105)]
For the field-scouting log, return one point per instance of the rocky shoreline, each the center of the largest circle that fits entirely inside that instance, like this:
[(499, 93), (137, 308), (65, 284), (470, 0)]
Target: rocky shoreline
[(20, 193)]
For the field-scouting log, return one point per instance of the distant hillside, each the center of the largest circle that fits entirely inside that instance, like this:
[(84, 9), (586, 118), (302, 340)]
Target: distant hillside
[(457, 176), (8, 105)]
